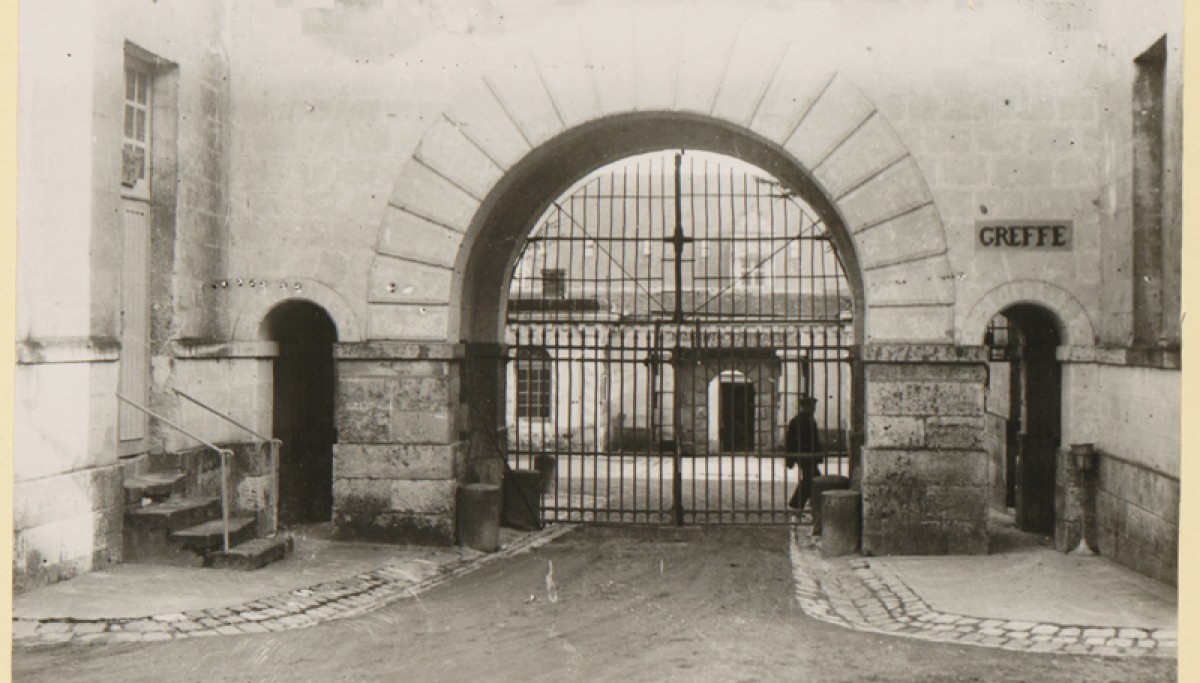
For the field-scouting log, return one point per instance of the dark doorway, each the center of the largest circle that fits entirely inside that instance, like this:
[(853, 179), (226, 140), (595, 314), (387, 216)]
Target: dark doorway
[(1035, 422), (737, 416), (303, 409)]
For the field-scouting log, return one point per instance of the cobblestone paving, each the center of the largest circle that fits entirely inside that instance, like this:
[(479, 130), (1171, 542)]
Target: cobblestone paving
[(863, 595), (295, 609)]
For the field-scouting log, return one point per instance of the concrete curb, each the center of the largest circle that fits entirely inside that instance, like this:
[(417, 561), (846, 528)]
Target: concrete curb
[(299, 608), (865, 596)]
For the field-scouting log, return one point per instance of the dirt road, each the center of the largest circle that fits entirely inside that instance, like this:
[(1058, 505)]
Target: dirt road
[(633, 605)]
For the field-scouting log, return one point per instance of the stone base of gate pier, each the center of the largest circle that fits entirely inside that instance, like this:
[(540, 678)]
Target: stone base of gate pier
[(924, 469), (399, 456)]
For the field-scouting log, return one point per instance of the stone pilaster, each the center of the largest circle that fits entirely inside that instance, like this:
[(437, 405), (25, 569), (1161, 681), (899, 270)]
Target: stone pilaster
[(924, 471), (396, 463)]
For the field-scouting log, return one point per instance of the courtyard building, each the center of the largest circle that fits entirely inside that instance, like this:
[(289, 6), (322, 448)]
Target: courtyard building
[(331, 260)]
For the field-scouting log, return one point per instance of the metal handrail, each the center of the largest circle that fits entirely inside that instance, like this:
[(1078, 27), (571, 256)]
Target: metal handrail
[(274, 443), (221, 415), (224, 454)]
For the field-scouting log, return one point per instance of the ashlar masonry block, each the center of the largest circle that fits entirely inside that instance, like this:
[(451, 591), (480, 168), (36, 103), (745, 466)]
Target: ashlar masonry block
[(954, 432), (398, 457), (427, 497), (754, 57), (422, 191), (481, 117), (925, 398), (896, 432), (567, 76), (924, 470), (353, 496), (901, 238), (447, 150), (522, 93), (409, 462), (870, 149), (702, 62), (608, 42), (898, 189), (792, 91), (837, 112), (657, 38), (924, 502)]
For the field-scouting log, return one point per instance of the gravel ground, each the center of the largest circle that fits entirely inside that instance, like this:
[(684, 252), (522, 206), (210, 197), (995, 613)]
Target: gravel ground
[(621, 604)]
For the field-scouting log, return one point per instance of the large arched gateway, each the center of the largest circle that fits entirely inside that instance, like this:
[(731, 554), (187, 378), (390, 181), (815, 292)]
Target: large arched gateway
[(662, 294), (841, 159)]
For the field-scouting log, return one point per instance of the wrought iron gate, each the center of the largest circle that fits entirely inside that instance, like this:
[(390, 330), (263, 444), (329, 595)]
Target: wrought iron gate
[(664, 318)]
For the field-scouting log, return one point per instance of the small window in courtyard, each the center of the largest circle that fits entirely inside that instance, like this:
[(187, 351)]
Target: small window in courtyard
[(135, 151), (534, 375)]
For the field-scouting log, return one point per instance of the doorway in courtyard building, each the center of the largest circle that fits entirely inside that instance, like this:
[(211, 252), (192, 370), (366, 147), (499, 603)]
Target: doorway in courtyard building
[(304, 388), (1024, 414), (735, 406), (664, 317)]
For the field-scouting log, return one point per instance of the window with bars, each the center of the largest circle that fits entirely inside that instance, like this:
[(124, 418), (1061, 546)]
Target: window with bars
[(535, 373), (135, 151)]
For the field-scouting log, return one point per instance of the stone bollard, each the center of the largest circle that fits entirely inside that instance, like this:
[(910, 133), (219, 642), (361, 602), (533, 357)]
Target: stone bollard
[(829, 482), (479, 517), (523, 499), (843, 523)]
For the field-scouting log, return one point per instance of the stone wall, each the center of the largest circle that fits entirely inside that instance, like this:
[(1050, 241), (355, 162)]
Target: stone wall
[(1129, 406), (925, 473), (67, 489), (1137, 517), (398, 456), (995, 433)]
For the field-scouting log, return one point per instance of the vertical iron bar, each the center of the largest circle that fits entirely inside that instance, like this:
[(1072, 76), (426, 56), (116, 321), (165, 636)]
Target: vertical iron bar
[(677, 479), (225, 455)]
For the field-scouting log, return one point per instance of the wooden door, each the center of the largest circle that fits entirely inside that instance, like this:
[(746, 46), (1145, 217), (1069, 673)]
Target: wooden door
[(135, 323)]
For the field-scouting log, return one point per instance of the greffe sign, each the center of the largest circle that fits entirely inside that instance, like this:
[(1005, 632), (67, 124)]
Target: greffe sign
[(1024, 235)]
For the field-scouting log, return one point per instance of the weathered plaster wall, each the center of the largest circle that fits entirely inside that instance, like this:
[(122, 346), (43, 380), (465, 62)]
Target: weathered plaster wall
[(71, 79), (233, 378), (1132, 414), (1129, 30)]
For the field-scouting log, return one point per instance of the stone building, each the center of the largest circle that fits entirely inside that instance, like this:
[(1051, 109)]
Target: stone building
[(305, 213)]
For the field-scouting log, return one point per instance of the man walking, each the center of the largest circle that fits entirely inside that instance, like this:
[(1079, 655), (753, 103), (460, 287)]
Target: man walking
[(802, 438)]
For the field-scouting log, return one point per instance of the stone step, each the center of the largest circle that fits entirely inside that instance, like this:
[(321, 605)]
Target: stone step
[(175, 513), (253, 554), (209, 536), (157, 486)]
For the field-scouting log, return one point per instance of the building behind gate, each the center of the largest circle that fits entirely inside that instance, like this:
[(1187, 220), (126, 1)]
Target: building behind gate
[(217, 198)]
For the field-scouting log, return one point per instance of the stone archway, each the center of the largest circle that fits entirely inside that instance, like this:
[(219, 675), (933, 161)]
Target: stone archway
[(493, 160), (510, 137), (1075, 326), (250, 323)]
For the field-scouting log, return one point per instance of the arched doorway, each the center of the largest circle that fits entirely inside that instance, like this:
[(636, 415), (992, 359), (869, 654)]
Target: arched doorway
[(303, 400), (1023, 340), (664, 291), (731, 414)]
